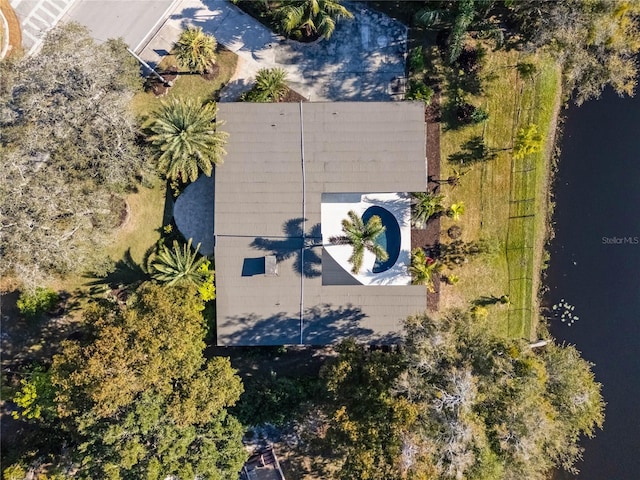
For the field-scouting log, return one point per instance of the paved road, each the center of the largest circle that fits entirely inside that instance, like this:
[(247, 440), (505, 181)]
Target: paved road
[(132, 20)]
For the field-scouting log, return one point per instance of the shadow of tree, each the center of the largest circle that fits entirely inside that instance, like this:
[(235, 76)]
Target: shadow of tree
[(126, 272), (294, 244), (473, 151), (485, 300), (322, 324)]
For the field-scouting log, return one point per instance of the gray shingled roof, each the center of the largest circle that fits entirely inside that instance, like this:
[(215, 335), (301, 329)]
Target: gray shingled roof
[(347, 147)]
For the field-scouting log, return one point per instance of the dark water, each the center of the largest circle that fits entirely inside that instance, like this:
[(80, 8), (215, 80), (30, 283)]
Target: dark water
[(598, 195)]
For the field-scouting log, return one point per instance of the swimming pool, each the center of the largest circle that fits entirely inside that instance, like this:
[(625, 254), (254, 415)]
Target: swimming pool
[(389, 240)]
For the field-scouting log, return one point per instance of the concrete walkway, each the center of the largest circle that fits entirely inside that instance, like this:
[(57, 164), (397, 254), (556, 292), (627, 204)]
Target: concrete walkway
[(360, 61)]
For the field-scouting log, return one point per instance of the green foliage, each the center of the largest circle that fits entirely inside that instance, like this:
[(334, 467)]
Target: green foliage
[(487, 398), (34, 304), (423, 269), (186, 138), (140, 399), (416, 60), (367, 422), (526, 69), (479, 115), (68, 149), (14, 472), (360, 237), (464, 16), (456, 210), (195, 50), (274, 399), (181, 265), (452, 279), (35, 399), (528, 140), (311, 17), (427, 204), (270, 86), (596, 41), (459, 251), (207, 290), (419, 91)]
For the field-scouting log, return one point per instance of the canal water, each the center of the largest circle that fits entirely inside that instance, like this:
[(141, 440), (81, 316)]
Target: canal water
[(594, 272)]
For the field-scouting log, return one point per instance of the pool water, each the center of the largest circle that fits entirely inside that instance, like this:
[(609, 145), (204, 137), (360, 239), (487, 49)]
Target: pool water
[(389, 239)]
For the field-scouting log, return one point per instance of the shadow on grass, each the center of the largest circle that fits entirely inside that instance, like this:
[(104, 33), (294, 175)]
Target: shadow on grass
[(126, 273), (485, 301), (473, 151)]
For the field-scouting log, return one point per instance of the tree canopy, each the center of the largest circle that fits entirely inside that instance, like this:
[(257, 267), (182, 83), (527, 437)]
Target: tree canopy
[(196, 50), (361, 237), (138, 398), (270, 86), (186, 138), (313, 17), (67, 148), (458, 402), (596, 41)]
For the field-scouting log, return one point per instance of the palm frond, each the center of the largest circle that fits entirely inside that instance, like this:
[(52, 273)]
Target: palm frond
[(179, 264), (185, 137)]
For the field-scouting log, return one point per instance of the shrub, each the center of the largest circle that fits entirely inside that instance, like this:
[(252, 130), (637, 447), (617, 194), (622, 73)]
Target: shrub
[(451, 279), (456, 210), (479, 115), (471, 60), (14, 472), (416, 60), (33, 305), (454, 232), (419, 91)]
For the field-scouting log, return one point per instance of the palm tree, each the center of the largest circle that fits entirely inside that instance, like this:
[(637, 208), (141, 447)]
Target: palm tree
[(179, 265), (452, 180), (270, 86), (185, 137), (361, 236), (423, 269), (195, 50), (427, 205), (311, 16)]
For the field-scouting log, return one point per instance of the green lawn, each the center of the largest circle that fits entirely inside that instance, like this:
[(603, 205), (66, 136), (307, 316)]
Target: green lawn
[(188, 85), (505, 199)]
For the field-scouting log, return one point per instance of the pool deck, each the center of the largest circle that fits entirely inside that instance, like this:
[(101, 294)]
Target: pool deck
[(335, 207)]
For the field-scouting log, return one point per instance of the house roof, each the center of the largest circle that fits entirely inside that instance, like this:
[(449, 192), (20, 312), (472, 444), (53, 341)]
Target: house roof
[(281, 159)]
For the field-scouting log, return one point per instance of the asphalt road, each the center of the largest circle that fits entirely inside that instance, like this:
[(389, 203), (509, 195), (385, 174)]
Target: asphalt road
[(133, 20)]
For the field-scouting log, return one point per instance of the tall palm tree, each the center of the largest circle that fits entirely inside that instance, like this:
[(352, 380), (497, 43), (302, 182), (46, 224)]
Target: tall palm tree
[(311, 16), (195, 50), (179, 265), (184, 134), (361, 236), (270, 86)]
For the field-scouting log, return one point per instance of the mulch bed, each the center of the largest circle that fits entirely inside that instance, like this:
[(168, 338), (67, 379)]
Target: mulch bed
[(159, 89), (429, 237), (293, 96), (212, 72)]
